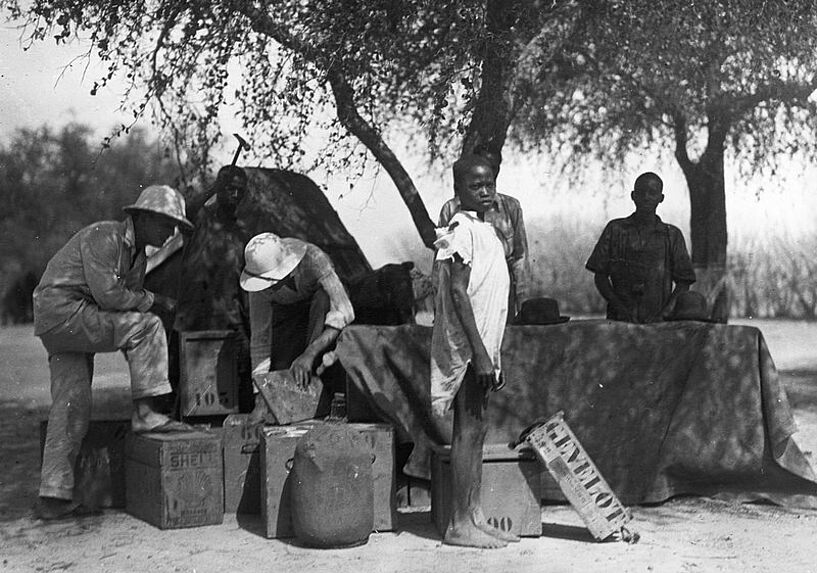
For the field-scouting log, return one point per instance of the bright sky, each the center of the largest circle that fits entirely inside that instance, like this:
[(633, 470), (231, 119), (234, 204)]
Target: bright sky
[(37, 88)]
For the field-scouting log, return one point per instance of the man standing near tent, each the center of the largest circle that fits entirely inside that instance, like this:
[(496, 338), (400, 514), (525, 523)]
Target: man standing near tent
[(210, 297), (91, 299)]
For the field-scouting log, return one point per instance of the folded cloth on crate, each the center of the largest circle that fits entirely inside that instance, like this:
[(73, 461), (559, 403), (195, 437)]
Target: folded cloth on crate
[(663, 409)]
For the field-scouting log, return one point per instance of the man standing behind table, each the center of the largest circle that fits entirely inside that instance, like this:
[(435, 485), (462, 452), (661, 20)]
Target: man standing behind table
[(505, 214), (298, 306), (470, 310), (91, 299), (209, 294), (640, 264)]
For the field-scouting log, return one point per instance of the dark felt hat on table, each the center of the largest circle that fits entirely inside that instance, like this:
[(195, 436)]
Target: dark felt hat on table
[(690, 305), (541, 310)]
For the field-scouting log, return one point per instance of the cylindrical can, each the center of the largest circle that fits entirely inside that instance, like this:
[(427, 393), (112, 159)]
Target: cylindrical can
[(332, 487)]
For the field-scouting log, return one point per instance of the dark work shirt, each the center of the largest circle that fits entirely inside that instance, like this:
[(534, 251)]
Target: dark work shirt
[(643, 262), (209, 293)]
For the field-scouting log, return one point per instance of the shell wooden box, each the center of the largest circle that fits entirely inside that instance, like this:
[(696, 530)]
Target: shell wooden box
[(175, 480)]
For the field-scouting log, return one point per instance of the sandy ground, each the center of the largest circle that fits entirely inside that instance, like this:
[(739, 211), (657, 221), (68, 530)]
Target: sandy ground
[(683, 535)]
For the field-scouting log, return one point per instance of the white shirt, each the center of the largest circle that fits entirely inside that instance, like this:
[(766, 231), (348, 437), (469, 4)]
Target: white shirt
[(479, 247)]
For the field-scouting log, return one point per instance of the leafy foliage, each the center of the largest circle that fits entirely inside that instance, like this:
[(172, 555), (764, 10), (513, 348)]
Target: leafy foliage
[(53, 183), (642, 72), (443, 69)]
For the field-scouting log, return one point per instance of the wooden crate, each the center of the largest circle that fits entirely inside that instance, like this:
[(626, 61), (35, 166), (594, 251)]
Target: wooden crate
[(175, 480), (384, 473), (277, 452), (208, 383), (510, 489), (578, 477), (242, 465), (99, 472)]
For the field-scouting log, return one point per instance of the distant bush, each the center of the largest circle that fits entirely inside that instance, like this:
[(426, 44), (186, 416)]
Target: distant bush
[(53, 182)]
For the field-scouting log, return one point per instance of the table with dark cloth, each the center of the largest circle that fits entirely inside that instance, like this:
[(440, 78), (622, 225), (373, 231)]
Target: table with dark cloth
[(663, 409)]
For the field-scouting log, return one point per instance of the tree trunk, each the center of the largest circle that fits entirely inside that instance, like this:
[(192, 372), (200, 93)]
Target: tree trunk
[(492, 109), (349, 116), (707, 196), (370, 137), (708, 236)]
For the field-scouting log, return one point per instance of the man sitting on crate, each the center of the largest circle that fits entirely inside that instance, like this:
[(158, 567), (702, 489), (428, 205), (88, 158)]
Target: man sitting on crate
[(298, 306), (209, 295), (91, 299), (470, 307), (639, 258)]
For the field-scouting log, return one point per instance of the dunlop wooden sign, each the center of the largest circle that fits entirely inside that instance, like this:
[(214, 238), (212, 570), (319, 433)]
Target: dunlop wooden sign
[(579, 478)]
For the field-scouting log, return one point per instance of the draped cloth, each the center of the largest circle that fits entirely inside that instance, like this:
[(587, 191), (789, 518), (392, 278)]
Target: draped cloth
[(662, 409)]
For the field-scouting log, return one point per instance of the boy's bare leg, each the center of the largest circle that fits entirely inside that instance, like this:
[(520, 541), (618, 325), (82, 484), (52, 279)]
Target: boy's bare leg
[(468, 526)]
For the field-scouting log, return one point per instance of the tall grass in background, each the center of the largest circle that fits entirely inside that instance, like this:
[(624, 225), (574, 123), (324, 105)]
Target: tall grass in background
[(771, 277), (558, 250), (774, 277)]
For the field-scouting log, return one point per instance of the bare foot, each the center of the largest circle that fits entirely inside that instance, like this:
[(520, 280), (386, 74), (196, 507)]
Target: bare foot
[(499, 534), (483, 524), (468, 534), (145, 421), (51, 508)]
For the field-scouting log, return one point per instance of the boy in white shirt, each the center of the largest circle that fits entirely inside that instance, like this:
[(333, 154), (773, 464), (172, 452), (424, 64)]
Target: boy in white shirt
[(471, 307)]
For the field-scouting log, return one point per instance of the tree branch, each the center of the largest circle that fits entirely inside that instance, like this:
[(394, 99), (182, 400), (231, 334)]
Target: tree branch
[(349, 116), (368, 135), (794, 92), (681, 139)]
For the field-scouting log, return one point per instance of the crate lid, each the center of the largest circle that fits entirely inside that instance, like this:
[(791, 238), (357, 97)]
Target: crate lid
[(179, 449), (491, 453), (291, 430)]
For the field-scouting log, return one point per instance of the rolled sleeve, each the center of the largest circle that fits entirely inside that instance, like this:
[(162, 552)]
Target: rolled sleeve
[(519, 261), (455, 239), (340, 314), (145, 305), (599, 261), (260, 328), (682, 270)]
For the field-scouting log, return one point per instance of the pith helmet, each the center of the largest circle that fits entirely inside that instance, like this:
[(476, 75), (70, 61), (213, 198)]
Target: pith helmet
[(162, 199), (269, 258)]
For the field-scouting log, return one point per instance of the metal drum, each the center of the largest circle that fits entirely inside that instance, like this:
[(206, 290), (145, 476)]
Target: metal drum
[(332, 487)]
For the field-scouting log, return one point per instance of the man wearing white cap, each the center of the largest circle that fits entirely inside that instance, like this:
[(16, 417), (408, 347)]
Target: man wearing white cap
[(298, 306), (91, 299)]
